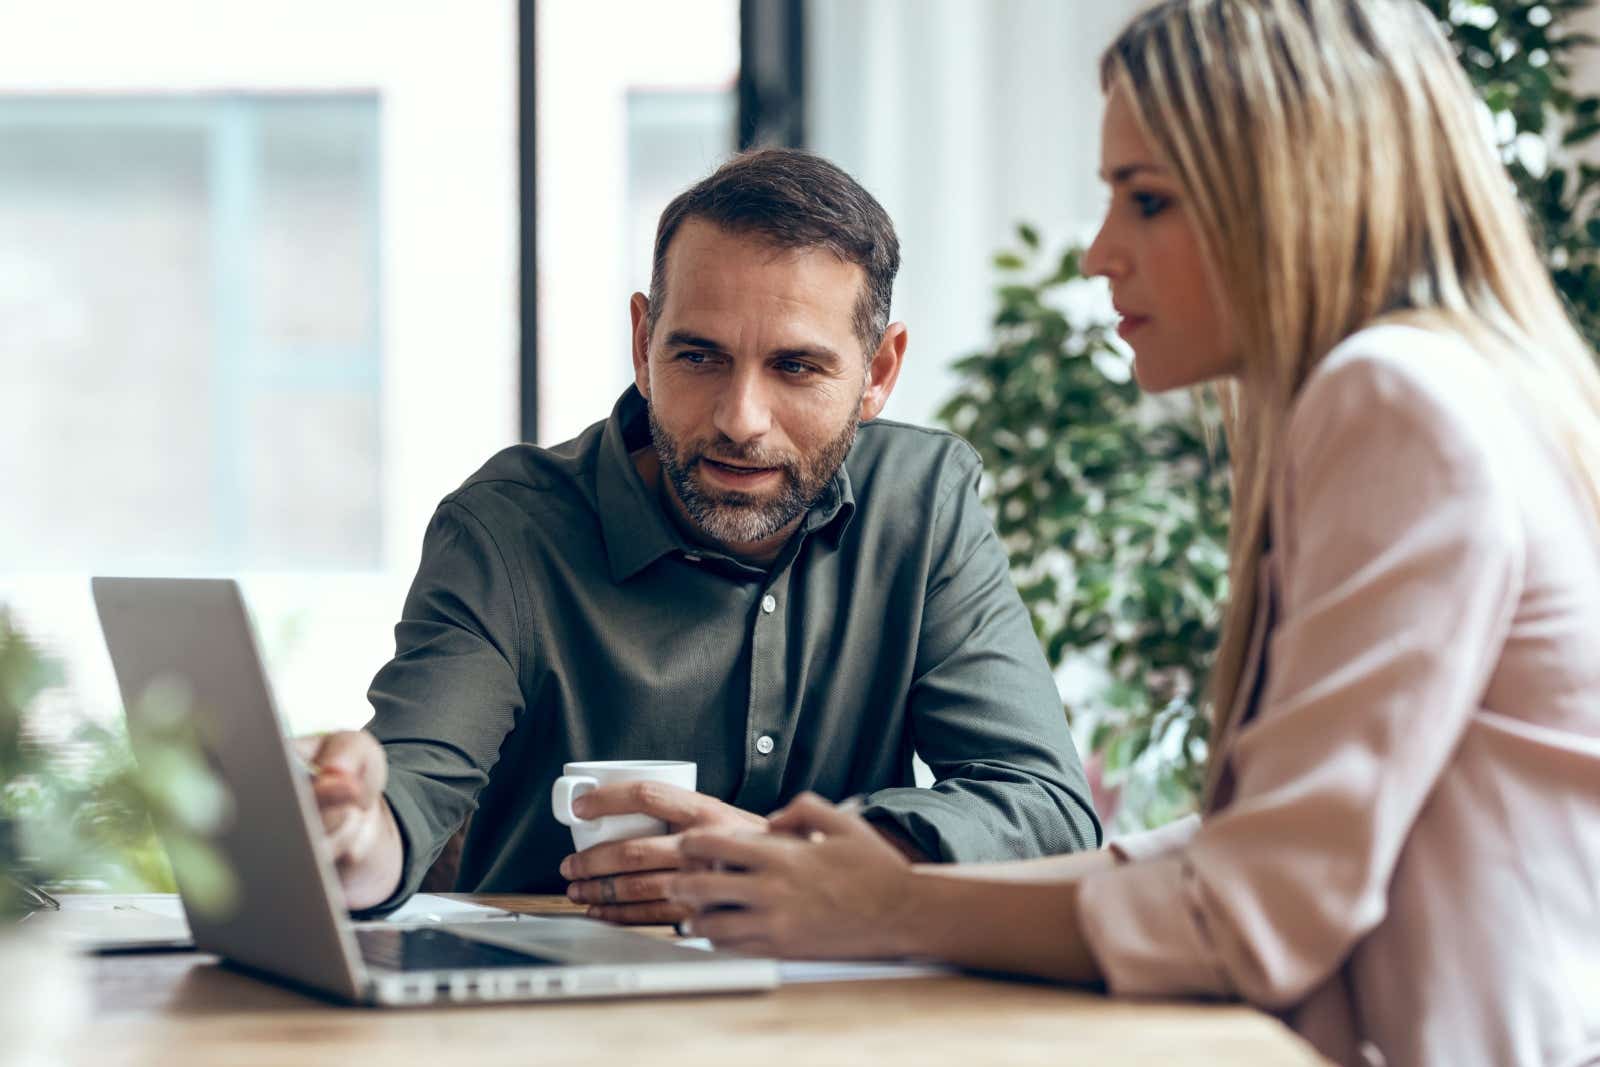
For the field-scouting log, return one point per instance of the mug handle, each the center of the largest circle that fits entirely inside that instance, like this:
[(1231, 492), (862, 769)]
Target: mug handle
[(568, 788)]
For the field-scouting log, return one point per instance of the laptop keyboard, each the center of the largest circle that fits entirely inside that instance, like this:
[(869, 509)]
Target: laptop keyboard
[(438, 950)]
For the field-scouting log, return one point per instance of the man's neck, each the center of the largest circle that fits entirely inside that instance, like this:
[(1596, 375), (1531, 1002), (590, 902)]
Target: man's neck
[(759, 554)]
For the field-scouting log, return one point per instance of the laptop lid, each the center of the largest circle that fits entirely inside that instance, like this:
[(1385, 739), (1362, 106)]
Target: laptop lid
[(284, 920)]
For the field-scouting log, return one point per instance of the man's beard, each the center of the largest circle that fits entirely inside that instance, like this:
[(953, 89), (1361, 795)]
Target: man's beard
[(732, 517)]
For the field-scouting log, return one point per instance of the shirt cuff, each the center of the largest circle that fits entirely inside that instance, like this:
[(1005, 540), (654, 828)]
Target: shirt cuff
[(1145, 928), (922, 831), (1152, 843)]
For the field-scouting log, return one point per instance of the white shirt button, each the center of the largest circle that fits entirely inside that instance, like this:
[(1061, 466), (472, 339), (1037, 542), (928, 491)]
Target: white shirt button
[(769, 603), (764, 745)]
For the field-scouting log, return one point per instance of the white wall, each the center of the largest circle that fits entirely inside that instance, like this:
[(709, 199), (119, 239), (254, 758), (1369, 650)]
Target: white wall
[(961, 117)]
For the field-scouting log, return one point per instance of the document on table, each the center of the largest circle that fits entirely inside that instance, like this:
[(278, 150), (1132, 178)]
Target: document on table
[(797, 972), (431, 908), (145, 922)]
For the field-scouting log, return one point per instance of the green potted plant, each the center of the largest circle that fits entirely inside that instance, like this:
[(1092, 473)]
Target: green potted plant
[(85, 822), (1519, 56), (1113, 508), (32, 1026)]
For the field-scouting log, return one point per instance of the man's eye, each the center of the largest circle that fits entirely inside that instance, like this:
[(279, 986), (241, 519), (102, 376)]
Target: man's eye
[(1150, 204), (792, 367), (695, 358)]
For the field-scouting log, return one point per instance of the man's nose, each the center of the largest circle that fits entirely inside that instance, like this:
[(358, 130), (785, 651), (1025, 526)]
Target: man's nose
[(744, 413)]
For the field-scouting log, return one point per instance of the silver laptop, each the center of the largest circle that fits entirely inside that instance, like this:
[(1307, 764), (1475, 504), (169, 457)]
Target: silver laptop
[(288, 922)]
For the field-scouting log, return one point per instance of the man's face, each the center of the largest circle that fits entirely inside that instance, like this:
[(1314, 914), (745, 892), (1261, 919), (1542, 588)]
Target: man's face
[(756, 380)]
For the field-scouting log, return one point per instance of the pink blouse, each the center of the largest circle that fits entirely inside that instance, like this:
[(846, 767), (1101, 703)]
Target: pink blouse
[(1404, 856)]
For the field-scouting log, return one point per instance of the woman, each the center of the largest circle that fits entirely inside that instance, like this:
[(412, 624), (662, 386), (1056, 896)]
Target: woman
[(1400, 849)]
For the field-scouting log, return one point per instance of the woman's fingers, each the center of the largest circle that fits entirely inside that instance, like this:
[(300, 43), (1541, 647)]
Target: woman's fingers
[(714, 889), (809, 813), (737, 930), (752, 852)]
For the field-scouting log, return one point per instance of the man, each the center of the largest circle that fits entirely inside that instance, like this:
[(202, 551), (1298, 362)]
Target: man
[(742, 567)]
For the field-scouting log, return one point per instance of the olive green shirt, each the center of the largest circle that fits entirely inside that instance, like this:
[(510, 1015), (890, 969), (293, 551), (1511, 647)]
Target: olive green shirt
[(559, 614)]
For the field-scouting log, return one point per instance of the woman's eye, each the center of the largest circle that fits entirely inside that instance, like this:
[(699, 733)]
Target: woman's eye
[(1150, 204)]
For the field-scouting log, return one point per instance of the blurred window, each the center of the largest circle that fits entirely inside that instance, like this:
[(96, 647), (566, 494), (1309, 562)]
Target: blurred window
[(189, 293)]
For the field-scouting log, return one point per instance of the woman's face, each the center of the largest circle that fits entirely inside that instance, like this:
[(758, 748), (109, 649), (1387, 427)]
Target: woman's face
[(1173, 316)]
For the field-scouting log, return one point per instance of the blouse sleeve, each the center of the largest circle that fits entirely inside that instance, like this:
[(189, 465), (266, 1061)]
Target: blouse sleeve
[(1403, 556), (1151, 843)]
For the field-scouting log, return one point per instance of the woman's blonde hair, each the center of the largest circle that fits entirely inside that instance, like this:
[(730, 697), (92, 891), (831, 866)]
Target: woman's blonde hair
[(1337, 170)]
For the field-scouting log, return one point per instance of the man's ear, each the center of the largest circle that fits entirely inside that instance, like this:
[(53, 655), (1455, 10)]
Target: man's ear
[(883, 371), (639, 311)]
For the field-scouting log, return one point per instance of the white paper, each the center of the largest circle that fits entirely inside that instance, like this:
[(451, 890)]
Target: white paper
[(156, 920), (117, 921), (428, 908), (165, 905), (422, 908)]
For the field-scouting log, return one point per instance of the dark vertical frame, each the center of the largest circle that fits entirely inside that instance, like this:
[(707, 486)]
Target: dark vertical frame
[(529, 225), (772, 106)]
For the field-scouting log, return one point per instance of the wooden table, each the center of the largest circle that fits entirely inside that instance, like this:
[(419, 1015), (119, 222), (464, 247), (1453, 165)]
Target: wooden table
[(186, 1009)]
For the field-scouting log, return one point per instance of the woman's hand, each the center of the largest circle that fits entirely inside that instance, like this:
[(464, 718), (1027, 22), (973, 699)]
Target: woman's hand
[(825, 885), (821, 883)]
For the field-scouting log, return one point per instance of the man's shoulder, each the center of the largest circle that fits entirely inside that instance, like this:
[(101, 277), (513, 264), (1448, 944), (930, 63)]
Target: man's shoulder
[(522, 480), (902, 459)]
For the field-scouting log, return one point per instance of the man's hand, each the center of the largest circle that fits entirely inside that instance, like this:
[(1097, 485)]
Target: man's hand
[(626, 881), (349, 770)]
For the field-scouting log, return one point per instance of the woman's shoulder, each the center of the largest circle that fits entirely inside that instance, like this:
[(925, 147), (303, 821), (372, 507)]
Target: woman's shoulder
[(1405, 436), (1418, 394)]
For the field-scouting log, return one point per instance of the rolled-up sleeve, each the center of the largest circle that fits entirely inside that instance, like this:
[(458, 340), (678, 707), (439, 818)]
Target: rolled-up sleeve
[(1402, 554), (983, 711), (444, 704)]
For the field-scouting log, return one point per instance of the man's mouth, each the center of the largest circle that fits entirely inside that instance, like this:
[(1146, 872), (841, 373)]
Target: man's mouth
[(736, 473)]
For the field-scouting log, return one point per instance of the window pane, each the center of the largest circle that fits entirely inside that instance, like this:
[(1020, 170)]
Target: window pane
[(188, 288), (316, 179), (103, 304)]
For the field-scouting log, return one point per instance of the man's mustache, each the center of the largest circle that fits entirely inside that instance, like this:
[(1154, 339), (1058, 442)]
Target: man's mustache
[(747, 455)]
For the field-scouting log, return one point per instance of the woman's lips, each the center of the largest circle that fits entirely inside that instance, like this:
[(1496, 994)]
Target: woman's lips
[(1129, 324)]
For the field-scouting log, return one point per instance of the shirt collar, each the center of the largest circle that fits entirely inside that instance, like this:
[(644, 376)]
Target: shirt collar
[(637, 532)]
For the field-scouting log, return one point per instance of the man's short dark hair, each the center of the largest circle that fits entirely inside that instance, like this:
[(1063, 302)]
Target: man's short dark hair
[(793, 200)]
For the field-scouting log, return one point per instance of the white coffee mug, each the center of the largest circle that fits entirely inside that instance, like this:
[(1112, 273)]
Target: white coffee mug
[(578, 778)]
